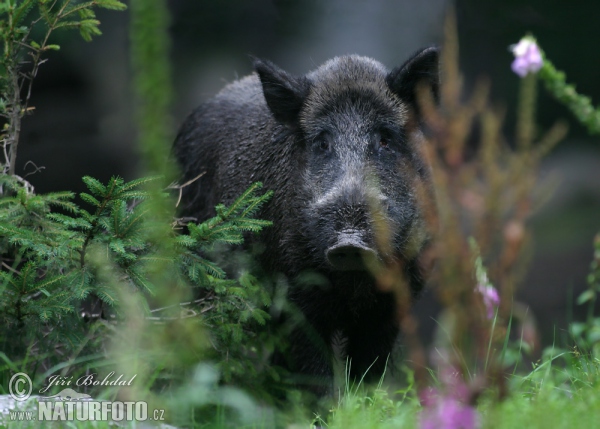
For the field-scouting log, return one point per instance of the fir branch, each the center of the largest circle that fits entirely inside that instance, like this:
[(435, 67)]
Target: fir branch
[(44, 284), (107, 193), (241, 200), (141, 281), (140, 182), (256, 204), (95, 186), (56, 275)]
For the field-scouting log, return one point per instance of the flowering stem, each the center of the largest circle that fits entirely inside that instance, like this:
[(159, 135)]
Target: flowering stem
[(580, 105), (526, 111)]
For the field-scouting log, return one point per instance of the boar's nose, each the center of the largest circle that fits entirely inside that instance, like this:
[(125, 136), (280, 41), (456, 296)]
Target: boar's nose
[(350, 253)]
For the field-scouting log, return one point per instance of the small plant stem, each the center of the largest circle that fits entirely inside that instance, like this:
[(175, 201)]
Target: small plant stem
[(37, 62), (19, 108), (15, 121), (526, 112)]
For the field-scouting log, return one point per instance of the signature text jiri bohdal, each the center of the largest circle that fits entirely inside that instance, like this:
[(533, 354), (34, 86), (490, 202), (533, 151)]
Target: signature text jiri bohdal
[(88, 380)]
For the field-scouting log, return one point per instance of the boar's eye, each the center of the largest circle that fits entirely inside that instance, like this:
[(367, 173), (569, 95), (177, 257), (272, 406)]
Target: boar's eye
[(322, 142), (384, 140)]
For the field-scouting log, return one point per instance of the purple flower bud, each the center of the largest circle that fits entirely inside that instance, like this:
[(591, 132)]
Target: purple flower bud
[(490, 297), (429, 396), (448, 413), (528, 57), (454, 383)]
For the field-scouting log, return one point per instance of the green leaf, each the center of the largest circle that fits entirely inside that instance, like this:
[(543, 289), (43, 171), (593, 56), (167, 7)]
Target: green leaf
[(87, 216), (45, 315), (260, 316), (240, 201), (8, 278), (94, 186), (256, 204), (594, 335), (86, 13), (106, 294), (44, 284), (133, 222), (586, 296), (141, 281), (185, 241), (111, 4), (139, 182), (211, 268), (153, 258), (70, 222), (577, 329), (237, 291), (68, 24), (80, 283), (89, 199), (253, 225), (193, 272), (130, 195), (21, 12), (62, 200), (118, 247), (236, 333), (72, 338)]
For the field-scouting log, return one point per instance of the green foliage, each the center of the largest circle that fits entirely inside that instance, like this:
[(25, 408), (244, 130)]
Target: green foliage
[(587, 334), (25, 30), (371, 408), (571, 370), (237, 303), (53, 261), (58, 256)]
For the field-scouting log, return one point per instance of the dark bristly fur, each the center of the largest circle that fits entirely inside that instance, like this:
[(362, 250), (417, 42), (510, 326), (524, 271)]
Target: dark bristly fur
[(340, 149)]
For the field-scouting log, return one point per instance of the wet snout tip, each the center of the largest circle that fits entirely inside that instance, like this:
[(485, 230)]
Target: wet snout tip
[(350, 253)]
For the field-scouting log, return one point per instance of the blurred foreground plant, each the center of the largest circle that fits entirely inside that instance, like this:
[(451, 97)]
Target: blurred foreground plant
[(484, 190), (586, 335), (485, 195)]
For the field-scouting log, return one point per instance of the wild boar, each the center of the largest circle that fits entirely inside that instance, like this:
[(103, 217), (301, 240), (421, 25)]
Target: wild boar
[(340, 148)]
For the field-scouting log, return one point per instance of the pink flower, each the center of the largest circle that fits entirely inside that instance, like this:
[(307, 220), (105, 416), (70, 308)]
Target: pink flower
[(446, 412), (528, 57), (490, 297)]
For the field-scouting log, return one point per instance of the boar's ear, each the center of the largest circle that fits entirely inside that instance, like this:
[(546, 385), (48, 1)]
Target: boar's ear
[(423, 67), (283, 92)]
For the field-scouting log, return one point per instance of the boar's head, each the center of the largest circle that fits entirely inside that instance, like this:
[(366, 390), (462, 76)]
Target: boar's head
[(363, 171)]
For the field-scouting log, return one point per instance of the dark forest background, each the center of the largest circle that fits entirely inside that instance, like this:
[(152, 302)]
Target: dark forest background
[(83, 121)]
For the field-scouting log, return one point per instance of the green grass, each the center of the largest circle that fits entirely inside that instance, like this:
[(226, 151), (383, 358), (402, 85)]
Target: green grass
[(562, 391), (566, 397)]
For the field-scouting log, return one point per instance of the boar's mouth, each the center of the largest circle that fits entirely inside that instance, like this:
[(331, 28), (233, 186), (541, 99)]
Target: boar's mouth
[(350, 253)]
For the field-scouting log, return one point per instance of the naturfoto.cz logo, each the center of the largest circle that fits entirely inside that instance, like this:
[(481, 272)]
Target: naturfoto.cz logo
[(70, 405)]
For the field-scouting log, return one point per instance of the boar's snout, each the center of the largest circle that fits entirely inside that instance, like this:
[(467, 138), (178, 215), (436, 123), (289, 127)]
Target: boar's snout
[(350, 253)]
